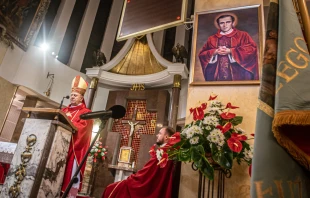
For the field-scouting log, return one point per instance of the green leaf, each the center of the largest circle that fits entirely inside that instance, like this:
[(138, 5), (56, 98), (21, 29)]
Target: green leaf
[(237, 120), (199, 163), (207, 169), (223, 157), (184, 154), (195, 155), (201, 149)]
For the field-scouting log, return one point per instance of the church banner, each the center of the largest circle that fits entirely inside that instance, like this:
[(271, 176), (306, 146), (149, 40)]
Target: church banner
[(281, 153)]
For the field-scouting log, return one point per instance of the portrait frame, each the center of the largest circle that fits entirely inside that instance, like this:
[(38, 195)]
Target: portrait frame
[(125, 154), (205, 27), (28, 26)]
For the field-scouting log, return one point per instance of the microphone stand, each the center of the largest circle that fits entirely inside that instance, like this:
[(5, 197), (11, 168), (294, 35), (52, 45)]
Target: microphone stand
[(62, 101), (74, 179)]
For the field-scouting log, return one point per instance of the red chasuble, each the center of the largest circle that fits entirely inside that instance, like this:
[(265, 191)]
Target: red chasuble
[(152, 181), (243, 51), (80, 141)]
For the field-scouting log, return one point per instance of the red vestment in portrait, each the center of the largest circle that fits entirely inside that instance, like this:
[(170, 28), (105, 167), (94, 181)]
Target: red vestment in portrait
[(243, 52), (152, 181), (80, 141)]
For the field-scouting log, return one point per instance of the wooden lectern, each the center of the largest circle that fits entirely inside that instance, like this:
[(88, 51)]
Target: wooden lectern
[(39, 161)]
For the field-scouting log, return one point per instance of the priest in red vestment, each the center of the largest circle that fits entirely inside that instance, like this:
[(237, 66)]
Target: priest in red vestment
[(154, 180), (230, 54), (80, 141)]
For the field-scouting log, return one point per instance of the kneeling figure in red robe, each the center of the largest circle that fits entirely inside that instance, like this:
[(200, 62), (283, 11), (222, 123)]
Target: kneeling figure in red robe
[(154, 180)]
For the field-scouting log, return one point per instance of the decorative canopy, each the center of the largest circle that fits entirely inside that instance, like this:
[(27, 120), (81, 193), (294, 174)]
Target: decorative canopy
[(138, 62)]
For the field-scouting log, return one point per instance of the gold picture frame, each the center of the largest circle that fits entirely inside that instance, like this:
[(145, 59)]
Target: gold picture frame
[(125, 154), (23, 20), (206, 27)]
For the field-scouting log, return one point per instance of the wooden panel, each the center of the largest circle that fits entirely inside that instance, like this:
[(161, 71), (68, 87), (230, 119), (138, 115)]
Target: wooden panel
[(140, 16), (7, 91)]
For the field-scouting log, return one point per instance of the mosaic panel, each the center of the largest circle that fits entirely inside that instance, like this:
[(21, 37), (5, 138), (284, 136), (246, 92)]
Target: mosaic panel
[(142, 115)]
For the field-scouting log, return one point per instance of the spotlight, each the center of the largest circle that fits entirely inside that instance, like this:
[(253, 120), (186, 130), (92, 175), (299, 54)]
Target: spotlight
[(53, 53), (56, 57), (44, 46)]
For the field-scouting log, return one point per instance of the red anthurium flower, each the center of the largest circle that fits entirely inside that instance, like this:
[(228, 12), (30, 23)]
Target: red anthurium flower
[(175, 138), (152, 151), (230, 106), (212, 98), (224, 128), (204, 106), (164, 159), (103, 158), (234, 144), (228, 116), (198, 113), (238, 136)]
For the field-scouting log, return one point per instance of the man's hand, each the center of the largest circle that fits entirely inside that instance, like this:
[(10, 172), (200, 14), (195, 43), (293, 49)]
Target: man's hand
[(222, 50)]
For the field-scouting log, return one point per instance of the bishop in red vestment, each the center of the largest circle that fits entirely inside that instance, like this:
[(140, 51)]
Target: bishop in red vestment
[(80, 141), (230, 54), (154, 180)]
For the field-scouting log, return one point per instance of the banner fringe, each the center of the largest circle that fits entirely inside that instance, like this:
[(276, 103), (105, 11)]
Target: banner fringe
[(291, 117)]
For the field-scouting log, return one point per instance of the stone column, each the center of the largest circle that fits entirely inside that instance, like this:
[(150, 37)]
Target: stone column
[(91, 92), (175, 101), (158, 40), (111, 28), (81, 42), (60, 25)]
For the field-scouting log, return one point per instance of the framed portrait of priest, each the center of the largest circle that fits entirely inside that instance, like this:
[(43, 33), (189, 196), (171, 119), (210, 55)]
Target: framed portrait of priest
[(227, 46), (22, 19)]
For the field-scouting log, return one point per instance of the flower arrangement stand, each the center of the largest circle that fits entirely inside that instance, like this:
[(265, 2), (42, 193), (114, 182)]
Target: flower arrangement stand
[(214, 188)]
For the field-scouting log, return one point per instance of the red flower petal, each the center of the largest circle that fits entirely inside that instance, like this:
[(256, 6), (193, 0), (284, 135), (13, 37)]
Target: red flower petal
[(175, 138), (224, 128), (200, 113), (228, 116), (230, 106), (252, 134), (212, 98), (195, 116), (191, 110), (234, 145), (152, 151), (162, 163), (238, 136), (204, 106)]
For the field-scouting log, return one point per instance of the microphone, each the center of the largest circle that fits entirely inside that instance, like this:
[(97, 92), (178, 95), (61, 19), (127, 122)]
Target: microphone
[(116, 112), (67, 97)]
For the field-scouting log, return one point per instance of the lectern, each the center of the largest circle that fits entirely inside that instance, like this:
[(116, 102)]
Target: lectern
[(39, 161)]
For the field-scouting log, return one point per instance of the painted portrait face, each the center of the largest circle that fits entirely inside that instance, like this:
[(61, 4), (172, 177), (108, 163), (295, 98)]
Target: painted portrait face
[(75, 98), (225, 24)]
